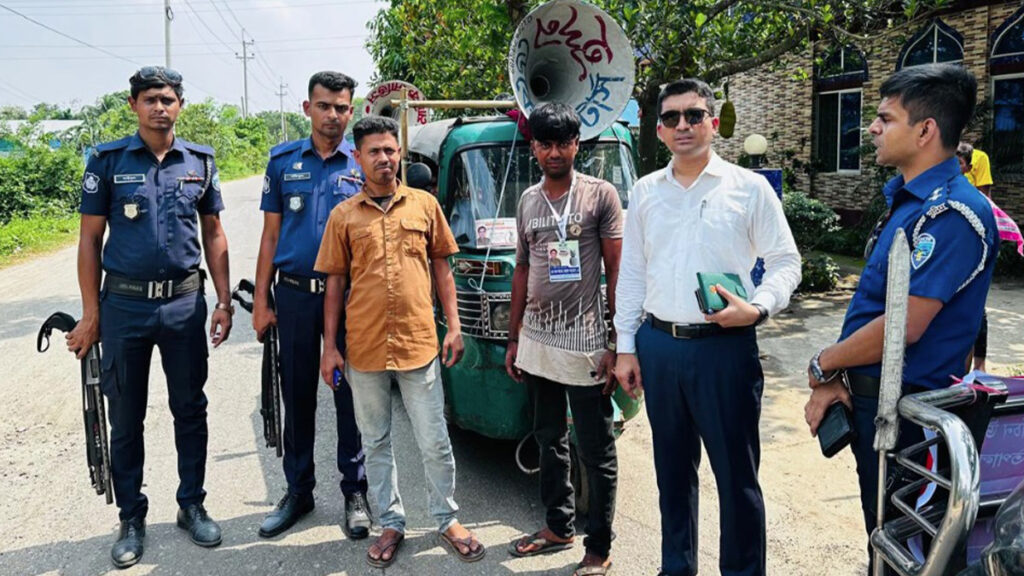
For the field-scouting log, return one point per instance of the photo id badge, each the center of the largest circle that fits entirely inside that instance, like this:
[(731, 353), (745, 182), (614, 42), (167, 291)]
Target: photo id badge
[(564, 261)]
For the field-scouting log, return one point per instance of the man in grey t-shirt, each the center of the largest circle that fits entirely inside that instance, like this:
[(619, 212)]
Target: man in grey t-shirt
[(568, 225)]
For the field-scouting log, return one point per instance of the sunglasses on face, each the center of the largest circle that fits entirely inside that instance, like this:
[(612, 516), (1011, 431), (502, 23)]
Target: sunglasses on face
[(159, 73), (693, 117)]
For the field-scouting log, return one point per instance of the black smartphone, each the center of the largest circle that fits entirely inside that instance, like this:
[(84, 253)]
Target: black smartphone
[(836, 429)]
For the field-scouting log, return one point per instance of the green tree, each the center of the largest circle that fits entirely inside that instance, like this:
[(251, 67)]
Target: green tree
[(456, 49), (297, 125), (13, 113)]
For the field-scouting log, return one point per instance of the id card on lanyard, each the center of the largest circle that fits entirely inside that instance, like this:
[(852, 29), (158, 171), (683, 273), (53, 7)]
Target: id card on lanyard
[(564, 255)]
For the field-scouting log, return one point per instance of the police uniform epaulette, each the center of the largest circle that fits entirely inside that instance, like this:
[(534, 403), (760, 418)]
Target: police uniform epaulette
[(285, 148), (198, 148), (111, 146), (939, 202)]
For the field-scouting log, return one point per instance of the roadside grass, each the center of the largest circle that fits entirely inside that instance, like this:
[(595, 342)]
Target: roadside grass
[(24, 237)]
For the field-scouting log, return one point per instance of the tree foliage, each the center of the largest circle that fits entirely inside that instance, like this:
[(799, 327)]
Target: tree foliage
[(456, 49)]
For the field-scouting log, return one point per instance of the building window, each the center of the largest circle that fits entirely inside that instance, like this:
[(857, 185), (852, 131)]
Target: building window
[(1009, 39), (1007, 149), (837, 131), (937, 42)]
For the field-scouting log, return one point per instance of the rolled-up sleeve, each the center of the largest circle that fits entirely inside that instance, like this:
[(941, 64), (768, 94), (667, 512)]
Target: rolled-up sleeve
[(773, 241), (632, 284)]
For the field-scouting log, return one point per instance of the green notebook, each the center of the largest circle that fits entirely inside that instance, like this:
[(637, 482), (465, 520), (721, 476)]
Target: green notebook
[(709, 300)]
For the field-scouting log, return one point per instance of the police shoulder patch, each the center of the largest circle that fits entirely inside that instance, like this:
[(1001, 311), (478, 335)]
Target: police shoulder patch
[(90, 183), (924, 246), (266, 184), (215, 183)]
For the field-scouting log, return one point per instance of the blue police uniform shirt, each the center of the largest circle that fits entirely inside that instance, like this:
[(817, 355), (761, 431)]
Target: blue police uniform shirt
[(151, 207), (304, 188), (953, 240)]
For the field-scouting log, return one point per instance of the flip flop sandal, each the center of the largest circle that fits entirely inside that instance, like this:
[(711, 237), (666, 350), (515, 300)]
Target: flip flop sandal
[(471, 556), (380, 562), (543, 545), (582, 570)]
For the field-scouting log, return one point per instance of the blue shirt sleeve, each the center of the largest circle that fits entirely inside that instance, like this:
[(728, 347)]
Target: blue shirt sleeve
[(95, 188), (945, 255), (271, 197), (212, 202)]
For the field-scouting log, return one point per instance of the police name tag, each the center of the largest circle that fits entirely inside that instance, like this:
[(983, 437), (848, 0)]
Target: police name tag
[(296, 176), (564, 261), (129, 179)]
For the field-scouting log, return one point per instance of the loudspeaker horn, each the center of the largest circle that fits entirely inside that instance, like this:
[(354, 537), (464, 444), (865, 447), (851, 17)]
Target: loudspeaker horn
[(378, 102), (572, 52)]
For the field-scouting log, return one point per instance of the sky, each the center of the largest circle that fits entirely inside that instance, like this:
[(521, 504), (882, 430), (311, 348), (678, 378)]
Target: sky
[(292, 40)]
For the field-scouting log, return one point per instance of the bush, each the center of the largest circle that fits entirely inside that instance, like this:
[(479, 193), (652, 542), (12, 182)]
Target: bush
[(820, 274), (37, 178), (846, 241), (809, 219), (36, 232)]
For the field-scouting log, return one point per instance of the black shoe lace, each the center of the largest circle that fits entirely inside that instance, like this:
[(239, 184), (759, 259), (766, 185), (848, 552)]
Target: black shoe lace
[(357, 504), (284, 500)]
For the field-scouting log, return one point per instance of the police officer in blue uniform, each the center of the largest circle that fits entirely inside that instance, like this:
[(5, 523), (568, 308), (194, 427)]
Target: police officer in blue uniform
[(160, 198), (953, 239), (306, 179)]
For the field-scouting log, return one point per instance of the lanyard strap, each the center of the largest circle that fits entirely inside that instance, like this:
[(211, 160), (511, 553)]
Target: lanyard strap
[(561, 219)]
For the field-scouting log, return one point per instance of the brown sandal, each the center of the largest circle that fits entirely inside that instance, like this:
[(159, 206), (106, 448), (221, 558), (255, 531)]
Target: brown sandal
[(392, 546), (472, 555), (582, 570), (543, 545)]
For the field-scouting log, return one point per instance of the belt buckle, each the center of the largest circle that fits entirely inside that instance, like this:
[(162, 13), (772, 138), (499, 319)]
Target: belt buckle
[(160, 289), (676, 334), (318, 286)]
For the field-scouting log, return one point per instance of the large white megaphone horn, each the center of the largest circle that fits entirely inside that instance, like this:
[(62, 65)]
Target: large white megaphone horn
[(572, 52), (378, 101)]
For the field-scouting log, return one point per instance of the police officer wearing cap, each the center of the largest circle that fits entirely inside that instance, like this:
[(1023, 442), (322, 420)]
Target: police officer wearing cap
[(953, 240), (306, 179), (160, 198)]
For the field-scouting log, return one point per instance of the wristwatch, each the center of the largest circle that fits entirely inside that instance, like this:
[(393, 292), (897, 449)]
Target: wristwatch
[(610, 345), (763, 314), (817, 373), (229, 308)]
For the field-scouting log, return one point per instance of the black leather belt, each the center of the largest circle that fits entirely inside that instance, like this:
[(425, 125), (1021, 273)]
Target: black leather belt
[(863, 385), (303, 283), (687, 331), (154, 289)]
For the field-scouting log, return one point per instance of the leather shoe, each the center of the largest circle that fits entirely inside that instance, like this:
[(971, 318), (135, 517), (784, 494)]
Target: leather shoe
[(128, 549), (201, 528), (357, 517), (286, 514)]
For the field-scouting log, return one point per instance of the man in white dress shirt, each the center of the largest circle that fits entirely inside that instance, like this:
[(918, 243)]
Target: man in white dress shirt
[(701, 372)]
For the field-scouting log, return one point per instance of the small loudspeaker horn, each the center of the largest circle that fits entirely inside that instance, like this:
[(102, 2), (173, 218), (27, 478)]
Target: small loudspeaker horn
[(378, 102), (572, 52)]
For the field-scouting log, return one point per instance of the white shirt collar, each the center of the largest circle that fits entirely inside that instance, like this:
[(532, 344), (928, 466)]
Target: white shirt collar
[(715, 167)]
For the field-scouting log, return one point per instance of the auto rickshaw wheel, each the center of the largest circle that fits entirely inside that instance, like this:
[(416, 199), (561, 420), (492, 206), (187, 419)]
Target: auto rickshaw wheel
[(580, 482)]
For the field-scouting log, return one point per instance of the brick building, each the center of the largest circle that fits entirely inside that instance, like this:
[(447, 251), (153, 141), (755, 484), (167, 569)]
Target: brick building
[(816, 117)]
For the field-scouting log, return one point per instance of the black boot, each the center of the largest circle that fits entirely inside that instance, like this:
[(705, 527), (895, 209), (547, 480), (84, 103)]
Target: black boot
[(128, 548), (201, 528), (286, 514)]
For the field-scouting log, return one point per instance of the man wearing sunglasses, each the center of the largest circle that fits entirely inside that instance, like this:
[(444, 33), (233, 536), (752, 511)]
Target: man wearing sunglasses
[(160, 198), (953, 239), (701, 373), (305, 180)]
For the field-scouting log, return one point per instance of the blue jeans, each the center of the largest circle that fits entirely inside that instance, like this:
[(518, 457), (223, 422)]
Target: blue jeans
[(423, 397)]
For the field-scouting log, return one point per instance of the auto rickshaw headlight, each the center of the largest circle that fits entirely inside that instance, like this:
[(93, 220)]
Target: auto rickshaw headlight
[(500, 315)]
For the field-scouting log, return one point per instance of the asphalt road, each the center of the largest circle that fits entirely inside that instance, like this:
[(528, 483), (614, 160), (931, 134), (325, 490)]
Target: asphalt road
[(53, 523)]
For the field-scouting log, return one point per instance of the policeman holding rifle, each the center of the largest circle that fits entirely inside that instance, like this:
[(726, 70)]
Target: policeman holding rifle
[(160, 198)]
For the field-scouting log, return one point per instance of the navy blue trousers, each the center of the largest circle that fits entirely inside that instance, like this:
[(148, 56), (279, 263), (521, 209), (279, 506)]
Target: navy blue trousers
[(706, 389), (300, 324), (129, 328)]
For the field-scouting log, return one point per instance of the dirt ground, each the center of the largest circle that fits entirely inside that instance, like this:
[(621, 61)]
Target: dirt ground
[(54, 524)]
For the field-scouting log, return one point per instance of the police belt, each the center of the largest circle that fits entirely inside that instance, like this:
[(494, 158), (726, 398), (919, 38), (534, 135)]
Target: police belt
[(688, 331), (303, 283), (862, 384), (154, 289)]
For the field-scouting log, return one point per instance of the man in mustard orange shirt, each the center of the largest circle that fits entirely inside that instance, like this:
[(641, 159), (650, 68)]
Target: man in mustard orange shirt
[(383, 244)]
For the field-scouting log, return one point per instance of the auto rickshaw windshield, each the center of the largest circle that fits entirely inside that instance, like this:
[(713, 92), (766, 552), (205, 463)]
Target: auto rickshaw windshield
[(475, 216)]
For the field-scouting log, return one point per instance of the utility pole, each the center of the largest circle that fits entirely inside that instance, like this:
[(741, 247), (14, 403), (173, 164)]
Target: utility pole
[(245, 57), (168, 16), (283, 90)]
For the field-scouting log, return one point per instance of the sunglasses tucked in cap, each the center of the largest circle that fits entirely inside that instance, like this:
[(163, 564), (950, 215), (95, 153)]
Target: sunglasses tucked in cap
[(161, 74)]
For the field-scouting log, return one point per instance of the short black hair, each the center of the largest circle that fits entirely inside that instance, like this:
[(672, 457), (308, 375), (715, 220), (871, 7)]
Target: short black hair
[(554, 122), (946, 93), (333, 81), (155, 77), (369, 125), (686, 85)]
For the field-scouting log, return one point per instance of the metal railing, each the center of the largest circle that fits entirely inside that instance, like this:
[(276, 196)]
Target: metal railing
[(948, 527)]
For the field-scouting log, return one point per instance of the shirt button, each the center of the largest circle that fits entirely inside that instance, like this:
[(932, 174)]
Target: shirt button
[(162, 271)]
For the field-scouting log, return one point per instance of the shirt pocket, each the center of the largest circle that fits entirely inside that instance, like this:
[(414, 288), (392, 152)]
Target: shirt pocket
[(297, 197), (187, 199), (414, 237), (364, 247)]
